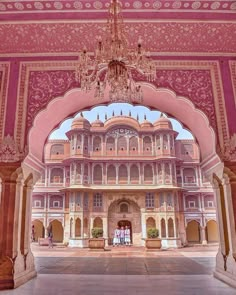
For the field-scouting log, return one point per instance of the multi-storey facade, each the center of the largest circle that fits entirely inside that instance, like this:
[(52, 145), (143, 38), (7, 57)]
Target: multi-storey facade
[(123, 172)]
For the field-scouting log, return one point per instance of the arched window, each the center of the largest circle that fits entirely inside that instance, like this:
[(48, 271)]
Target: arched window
[(78, 227), (123, 174), (165, 142), (97, 174), (163, 228), (57, 149), (78, 173), (110, 145), (98, 222), (85, 143), (111, 174), (97, 143), (167, 172), (158, 142), (148, 174), (147, 144), (170, 228), (150, 223), (86, 173), (122, 144), (79, 142), (124, 208), (134, 174), (133, 144), (57, 175)]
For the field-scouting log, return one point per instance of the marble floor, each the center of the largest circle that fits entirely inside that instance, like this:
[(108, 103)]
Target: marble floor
[(133, 271)]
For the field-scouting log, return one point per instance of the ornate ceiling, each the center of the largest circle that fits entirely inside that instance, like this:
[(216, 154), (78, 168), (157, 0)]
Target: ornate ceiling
[(167, 27)]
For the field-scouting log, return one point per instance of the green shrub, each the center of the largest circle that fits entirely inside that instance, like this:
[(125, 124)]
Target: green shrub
[(97, 232), (152, 233)]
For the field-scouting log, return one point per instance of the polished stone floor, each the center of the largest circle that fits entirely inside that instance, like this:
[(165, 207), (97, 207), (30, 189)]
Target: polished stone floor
[(130, 271)]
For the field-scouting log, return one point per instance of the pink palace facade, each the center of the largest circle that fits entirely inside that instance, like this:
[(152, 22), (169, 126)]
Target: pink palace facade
[(122, 172)]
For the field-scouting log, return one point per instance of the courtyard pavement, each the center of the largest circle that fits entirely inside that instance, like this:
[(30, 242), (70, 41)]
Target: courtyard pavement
[(124, 271)]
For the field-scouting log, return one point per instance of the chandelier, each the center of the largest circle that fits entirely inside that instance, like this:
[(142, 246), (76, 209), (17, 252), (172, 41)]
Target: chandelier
[(113, 63)]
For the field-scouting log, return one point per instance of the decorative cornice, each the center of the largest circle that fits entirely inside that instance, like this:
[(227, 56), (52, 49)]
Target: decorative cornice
[(9, 150), (41, 6)]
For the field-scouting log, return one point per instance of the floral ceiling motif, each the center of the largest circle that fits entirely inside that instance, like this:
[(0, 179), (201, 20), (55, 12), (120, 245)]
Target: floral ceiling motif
[(164, 37), (68, 5)]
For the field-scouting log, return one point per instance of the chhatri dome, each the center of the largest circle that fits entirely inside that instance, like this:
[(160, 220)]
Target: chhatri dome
[(97, 123), (80, 122), (163, 123), (146, 123)]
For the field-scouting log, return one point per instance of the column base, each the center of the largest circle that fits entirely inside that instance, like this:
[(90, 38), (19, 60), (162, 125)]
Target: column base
[(17, 271), (225, 277), (204, 242)]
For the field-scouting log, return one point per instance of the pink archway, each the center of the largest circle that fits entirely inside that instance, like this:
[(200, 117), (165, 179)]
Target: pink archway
[(161, 99)]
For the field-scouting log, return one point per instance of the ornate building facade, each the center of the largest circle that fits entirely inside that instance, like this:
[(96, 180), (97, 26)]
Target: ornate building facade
[(123, 172)]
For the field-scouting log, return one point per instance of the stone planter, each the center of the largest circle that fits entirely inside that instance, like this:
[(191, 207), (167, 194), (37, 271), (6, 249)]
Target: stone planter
[(152, 244), (96, 243)]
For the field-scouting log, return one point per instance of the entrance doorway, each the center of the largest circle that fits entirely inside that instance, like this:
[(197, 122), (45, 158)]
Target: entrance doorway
[(125, 223)]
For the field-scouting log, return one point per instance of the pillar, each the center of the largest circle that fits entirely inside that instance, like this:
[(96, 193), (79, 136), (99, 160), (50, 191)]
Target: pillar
[(203, 235), (143, 223), (16, 259), (105, 230)]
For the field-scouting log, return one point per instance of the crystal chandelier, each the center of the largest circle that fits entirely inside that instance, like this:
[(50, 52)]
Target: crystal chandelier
[(113, 63)]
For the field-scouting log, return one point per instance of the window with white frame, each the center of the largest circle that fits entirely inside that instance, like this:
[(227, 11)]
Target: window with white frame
[(191, 204), (56, 204), (97, 200), (210, 204), (37, 204), (149, 200)]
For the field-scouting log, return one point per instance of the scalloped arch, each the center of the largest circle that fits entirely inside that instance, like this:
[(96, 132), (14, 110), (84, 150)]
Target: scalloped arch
[(161, 99)]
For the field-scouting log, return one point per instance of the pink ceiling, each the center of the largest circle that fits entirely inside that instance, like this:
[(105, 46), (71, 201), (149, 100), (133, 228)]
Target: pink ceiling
[(64, 27), (165, 37)]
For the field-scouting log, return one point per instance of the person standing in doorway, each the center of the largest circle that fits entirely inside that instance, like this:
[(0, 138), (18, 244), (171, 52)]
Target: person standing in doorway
[(50, 242), (122, 236), (127, 236), (116, 239), (33, 234)]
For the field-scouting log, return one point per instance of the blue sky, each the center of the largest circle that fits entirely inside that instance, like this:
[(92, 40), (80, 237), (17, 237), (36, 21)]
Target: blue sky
[(91, 115)]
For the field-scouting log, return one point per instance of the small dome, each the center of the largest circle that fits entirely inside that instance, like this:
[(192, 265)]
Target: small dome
[(163, 123), (80, 122), (97, 123), (146, 123)]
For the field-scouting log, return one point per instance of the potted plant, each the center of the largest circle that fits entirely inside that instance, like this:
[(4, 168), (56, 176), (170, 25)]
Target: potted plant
[(152, 241), (97, 241)]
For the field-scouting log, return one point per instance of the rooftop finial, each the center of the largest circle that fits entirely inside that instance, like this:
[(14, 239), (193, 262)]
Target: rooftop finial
[(130, 113), (137, 117), (145, 117), (82, 115), (105, 116), (121, 113), (113, 114), (97, 116), (161, 115)]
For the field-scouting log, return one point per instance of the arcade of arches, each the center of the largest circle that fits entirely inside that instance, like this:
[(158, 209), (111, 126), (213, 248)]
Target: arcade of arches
[(196, 84)]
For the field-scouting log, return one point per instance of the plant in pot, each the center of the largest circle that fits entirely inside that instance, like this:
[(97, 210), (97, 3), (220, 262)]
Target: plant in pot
[(153, 241), (97, 241)]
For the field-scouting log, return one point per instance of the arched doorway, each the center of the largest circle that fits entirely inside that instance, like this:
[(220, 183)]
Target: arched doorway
[(193, 232), (38, 229), (57, 231), (124, 211), (124, 223), (212, 232)]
